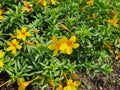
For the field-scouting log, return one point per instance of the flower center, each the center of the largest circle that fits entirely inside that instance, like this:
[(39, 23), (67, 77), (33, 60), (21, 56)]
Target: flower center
[(23, 33), (14, 45), (29, 7), (57, 45), (69, 43)]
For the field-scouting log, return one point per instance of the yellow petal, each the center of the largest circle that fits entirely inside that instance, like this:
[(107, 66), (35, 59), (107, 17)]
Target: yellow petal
[(54, 39), (51, 46), (14, 51), (1, 11), (52, 1), (20, 81), (43, 2), (8, 43), (69, 82), (69, 50), (9, 48), (23, 38), (75, 45), (69, 88), (18, 31), (25, 3), (116, 25), (63, 47), (76, 83), (24, 8), (19, 46), (64, 39), (28, 34), (1, 54), (1, 17), (14, 41), (24, 29), (62, 51), (1, 63), (60, 87), (73, 38), (55, 52), (19, 37)]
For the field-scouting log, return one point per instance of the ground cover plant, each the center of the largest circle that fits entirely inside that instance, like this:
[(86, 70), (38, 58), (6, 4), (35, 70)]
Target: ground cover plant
[(59, 45)]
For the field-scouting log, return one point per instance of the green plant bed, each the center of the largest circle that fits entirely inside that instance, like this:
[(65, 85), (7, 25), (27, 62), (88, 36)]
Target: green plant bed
[(59, 44)]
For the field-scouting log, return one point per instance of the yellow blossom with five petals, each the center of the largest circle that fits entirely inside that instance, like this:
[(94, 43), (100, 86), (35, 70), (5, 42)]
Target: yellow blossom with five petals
[(71, 85), (13, 46), (27, 6), (22, 34), (68, 44)]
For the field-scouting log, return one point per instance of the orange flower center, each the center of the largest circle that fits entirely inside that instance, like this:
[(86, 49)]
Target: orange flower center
[(23, 33), (69, 43), (57, 45), (29, 7), (14, 45)]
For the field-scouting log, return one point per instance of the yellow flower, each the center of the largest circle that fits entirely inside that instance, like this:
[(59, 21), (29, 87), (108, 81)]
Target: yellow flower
[(52, 1), (71, 85), (1, 54), (22, 84), (27, 7), (13, 46), (22, 34), (43, 2), (55, 45), (68, 44), (90, 3), (1, 63), (113, 21), (60, 87)]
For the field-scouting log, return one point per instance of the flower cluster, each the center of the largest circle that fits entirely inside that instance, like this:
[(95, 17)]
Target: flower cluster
[(63, 45), (28, 7), (14, 44)]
